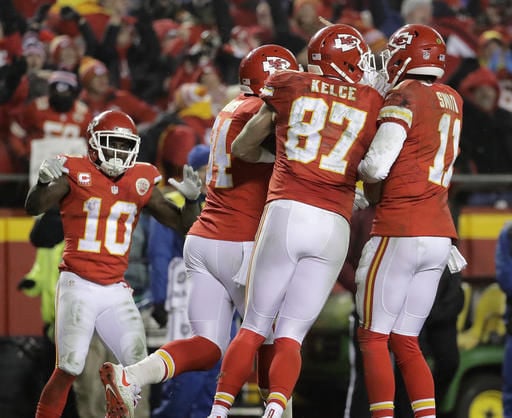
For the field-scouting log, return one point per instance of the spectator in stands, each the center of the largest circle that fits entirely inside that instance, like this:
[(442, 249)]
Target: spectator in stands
[(13, 93), (56, 115), (99, 95), (187, 125), (486, 137), (131, 50), (305, 17), (65, 54), (35, 56), (417, 11), (495, 53), (217, 90)]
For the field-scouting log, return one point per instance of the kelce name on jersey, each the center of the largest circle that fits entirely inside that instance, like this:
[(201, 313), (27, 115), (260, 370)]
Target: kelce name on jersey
[(344, 92)]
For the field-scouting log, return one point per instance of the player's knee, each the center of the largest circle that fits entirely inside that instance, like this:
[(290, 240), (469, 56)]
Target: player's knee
[(72, 368), (369, 340), (211, 352), (135, 351), (405, 347)]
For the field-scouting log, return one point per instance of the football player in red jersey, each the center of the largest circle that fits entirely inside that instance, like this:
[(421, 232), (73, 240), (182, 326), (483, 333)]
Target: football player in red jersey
[(412, 154), (100, 197), (218, 246), (324, 121)]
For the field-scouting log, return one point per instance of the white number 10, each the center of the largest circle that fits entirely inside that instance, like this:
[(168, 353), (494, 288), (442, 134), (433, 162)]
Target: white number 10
[(90, 241)]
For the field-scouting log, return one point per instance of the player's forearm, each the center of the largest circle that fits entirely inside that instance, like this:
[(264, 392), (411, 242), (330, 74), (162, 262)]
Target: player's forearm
[(383, 152), (246, 146), (189, 213), (40, 198)]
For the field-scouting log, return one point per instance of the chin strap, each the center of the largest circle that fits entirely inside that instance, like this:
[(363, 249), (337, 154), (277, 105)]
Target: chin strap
[(400, 71), (342, 73)]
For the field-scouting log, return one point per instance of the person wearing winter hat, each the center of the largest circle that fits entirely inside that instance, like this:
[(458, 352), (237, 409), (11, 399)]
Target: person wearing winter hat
[(417, 11), (56, 115), (99, 94)]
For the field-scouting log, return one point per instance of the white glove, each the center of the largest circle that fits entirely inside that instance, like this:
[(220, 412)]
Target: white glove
[(360, 201), (51, 169), (190, 186), (456, 262), (378, 80)]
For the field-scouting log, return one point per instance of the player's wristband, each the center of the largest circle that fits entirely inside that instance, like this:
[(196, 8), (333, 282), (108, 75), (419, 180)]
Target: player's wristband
[(192, 201)]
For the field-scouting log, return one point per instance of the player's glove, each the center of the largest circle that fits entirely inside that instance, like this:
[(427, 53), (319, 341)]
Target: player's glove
[(360, 201), (378, 80), (159, 314), (51, 169), (190, 186)]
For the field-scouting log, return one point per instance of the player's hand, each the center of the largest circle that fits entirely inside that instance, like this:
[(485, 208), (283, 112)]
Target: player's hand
[(51, 169), (159, 314), (378, 80), (190, 186), (360, 201)]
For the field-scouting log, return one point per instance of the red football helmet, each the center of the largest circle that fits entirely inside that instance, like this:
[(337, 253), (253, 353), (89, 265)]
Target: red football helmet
[(260, 63), (113, 142), (415, 49), (340, 51)]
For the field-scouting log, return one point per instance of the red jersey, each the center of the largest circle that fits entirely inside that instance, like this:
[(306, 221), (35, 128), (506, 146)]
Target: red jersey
[(38, 120), (415, 193), (99, 215), (237, 190), (323, 127)]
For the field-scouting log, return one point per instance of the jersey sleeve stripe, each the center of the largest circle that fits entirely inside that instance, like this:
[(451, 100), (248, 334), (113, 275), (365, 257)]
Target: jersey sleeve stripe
[(396, 112)]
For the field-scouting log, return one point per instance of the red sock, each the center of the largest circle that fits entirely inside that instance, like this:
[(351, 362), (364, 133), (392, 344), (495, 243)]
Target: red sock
[(416, 374), (285, 368), (237, 365), (54, 395), (378, 372), (264, 359), (195, 353)]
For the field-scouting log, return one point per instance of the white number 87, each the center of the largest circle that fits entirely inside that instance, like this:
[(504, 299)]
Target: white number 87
[(335, 161)]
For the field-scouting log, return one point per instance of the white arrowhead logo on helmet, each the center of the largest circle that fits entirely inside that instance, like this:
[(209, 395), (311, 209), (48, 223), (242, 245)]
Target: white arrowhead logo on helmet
[(347, 42), (401, 41), (271, 64)]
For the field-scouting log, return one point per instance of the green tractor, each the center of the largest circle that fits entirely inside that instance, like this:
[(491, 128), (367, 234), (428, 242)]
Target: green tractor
[(475, 391)]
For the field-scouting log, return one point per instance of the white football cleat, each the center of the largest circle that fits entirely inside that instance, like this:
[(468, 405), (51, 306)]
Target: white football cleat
[(121, 396)]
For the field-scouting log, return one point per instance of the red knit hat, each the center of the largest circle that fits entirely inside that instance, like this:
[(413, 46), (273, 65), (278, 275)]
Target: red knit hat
[(90, 68)]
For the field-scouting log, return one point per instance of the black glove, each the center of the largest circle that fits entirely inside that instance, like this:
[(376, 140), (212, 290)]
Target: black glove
[(159, 314), (26, 284), (68, 13)]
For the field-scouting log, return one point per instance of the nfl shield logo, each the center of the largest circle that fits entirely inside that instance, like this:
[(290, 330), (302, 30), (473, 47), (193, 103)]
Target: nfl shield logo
[(114, 189)]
